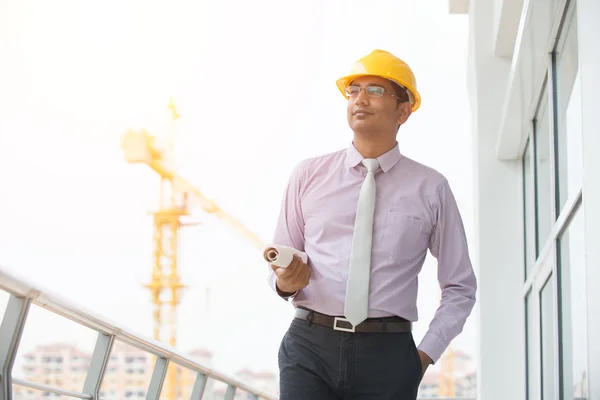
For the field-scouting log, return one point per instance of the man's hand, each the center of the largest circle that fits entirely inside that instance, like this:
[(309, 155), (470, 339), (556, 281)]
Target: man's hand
[(426, 361), (293, 278)]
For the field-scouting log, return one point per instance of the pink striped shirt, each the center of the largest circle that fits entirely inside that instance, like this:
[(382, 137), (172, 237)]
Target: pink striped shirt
[(415, 211)]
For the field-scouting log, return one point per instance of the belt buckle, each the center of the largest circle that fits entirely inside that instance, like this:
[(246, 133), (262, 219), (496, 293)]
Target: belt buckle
[(337, 328)]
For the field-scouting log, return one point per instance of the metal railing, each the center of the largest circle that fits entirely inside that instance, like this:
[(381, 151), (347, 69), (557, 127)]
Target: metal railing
[(23, 293)]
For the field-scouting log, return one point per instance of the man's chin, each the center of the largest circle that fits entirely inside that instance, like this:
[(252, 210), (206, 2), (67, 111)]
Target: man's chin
[(363, 128)]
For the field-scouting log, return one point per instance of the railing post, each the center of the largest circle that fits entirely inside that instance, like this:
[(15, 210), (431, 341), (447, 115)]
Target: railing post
[(252, 396), (11, 331), (158, 378), (230, 394), (199, 386), (98, 364)]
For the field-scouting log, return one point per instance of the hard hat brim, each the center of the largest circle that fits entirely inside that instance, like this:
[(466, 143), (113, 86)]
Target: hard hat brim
[(414, 96)]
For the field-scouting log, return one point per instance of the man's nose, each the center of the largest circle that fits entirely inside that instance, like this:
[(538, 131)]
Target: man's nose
[(361, 97)]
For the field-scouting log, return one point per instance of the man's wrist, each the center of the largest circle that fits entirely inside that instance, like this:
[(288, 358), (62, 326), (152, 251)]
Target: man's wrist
[(281, 293), (426, 357)]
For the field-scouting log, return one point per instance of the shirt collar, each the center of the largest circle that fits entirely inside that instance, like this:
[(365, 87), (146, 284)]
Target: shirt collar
[(386, 160)]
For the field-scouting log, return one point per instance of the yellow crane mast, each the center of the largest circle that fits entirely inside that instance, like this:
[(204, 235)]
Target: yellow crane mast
[(446, 374), (176, 195), (446, 382)]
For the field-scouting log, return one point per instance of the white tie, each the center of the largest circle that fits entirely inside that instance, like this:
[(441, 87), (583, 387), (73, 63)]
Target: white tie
[(357, 290)]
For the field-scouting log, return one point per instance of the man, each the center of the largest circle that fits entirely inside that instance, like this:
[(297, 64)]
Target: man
[(366, 216)]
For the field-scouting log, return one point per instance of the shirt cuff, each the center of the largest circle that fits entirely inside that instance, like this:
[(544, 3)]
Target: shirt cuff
[(273, 283), (433, 346), (283, 295)]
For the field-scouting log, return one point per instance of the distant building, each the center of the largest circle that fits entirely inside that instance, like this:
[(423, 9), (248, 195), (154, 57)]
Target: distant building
[(463, 376), (127, 376), (265, 380), (430, 385), (59, 365), (468, 385), (188, 377)]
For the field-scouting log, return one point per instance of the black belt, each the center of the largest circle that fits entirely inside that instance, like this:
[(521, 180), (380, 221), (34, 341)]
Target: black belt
[(373, 325)]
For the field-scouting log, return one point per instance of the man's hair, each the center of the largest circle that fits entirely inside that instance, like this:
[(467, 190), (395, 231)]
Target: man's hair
[(402, 96), (400, 92)]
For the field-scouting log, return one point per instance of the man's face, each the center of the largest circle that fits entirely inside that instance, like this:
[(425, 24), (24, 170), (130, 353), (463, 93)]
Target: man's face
[(370, 114)]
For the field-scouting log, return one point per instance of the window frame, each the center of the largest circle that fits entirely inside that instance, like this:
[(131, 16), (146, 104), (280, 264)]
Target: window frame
[(547, 264)]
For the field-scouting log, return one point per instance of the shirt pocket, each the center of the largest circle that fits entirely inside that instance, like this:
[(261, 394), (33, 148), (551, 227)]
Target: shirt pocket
[(403, 235)]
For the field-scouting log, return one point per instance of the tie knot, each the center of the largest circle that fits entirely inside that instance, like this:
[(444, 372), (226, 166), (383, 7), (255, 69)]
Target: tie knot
[(371, 164)]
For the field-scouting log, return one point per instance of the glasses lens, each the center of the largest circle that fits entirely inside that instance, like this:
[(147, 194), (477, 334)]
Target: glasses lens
[(375, 91), (352, 90)]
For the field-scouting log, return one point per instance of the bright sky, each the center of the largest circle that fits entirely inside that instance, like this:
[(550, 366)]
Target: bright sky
[(255, 86)]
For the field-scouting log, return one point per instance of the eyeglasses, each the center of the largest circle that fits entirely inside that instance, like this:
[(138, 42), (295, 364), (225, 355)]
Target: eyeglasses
[(372, 91)]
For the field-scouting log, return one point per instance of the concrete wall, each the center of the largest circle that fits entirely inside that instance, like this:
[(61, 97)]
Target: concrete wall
[(498, 216), (589, 61)]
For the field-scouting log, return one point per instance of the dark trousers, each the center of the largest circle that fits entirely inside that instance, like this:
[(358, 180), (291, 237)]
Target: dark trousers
[(319, 363)]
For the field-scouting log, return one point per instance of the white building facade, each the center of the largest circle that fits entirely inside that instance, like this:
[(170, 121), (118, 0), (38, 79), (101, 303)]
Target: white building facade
[(534, 89)]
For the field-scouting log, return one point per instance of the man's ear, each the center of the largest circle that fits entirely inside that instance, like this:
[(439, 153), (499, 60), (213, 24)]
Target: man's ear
[(404, 112)]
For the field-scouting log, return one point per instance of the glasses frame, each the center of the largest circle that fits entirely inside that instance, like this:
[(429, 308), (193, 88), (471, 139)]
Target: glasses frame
[(369, 94)]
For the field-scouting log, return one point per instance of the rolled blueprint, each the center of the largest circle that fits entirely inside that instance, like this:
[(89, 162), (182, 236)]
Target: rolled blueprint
[(281, 256)]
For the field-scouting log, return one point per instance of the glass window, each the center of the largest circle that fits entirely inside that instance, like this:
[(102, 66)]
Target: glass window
[(573, 310), (529, 212), (568, 102), (542, 17), (547, 335), (544, 167), (531, 333)]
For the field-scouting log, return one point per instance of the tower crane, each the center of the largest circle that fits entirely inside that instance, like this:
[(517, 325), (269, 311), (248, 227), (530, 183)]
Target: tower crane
[(176, 196)]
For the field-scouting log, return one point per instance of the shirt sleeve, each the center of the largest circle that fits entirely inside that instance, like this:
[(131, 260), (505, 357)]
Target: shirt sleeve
[(456, 277), (289, 230)]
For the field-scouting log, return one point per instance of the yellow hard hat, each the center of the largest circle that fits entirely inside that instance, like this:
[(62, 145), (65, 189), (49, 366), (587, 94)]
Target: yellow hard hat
[(384, 64)]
